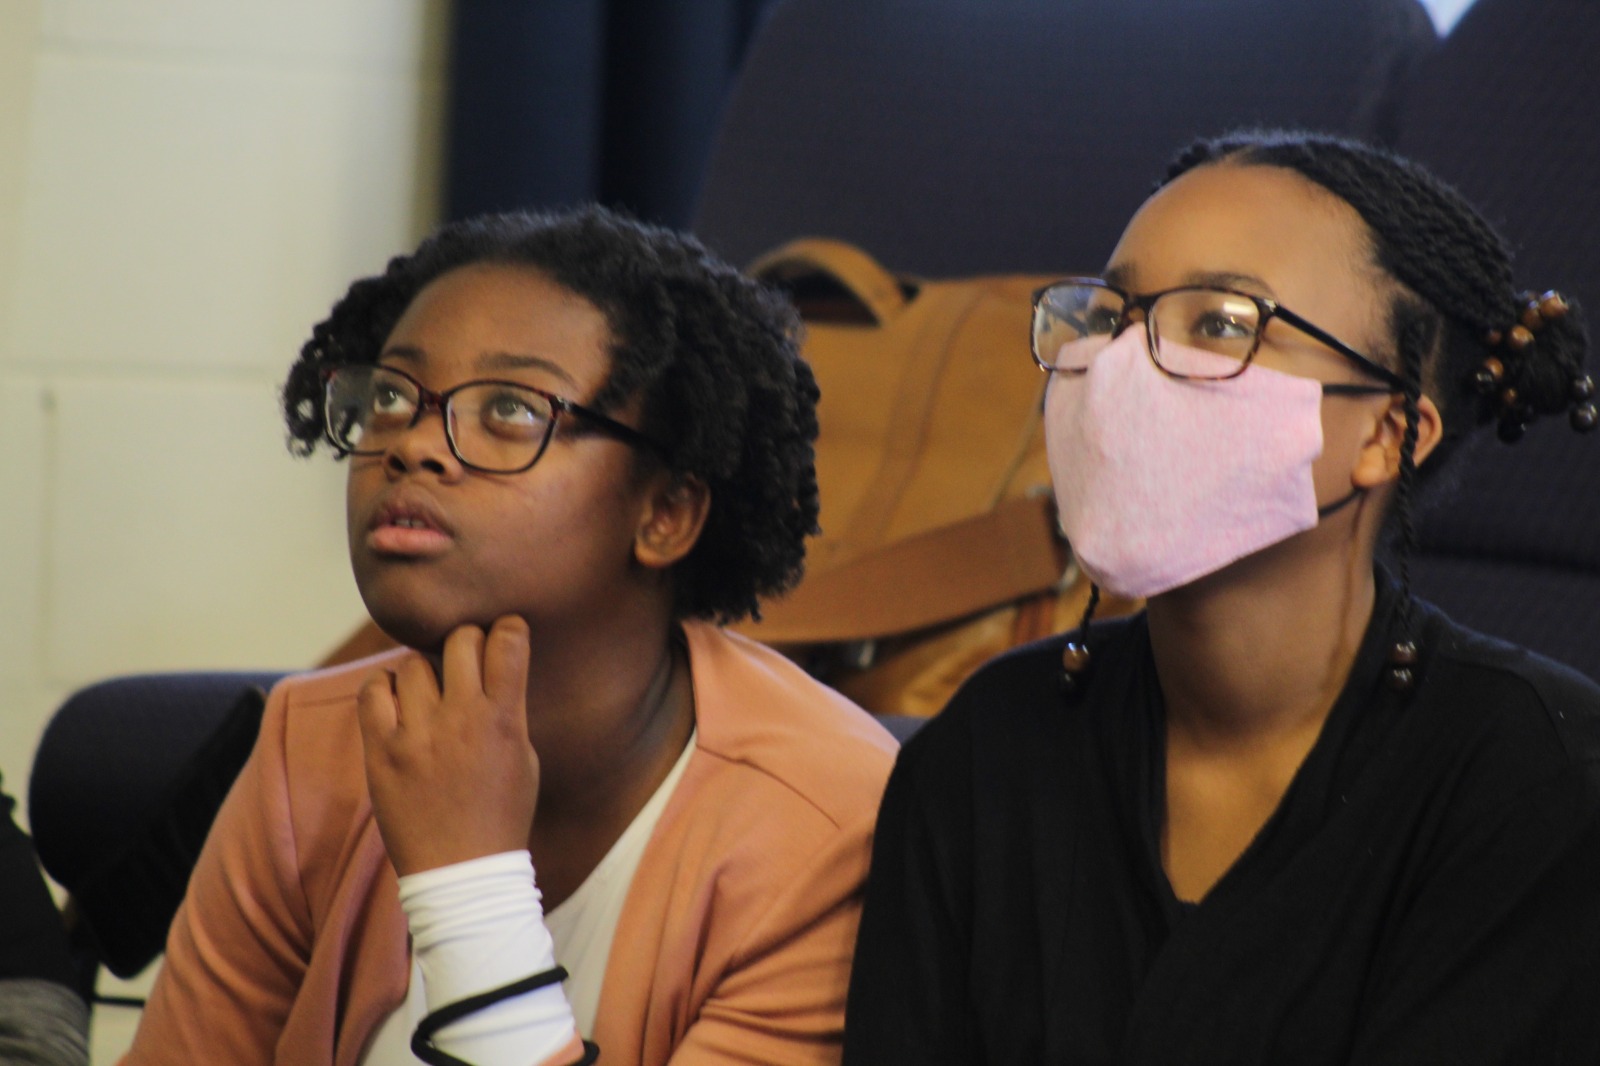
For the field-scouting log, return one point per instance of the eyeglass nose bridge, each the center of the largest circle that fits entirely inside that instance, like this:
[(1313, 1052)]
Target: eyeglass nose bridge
[(1143, 305), (428, 400)]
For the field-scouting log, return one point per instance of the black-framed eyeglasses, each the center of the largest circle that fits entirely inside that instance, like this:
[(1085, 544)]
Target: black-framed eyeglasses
[(1076, 317), (496, 427)]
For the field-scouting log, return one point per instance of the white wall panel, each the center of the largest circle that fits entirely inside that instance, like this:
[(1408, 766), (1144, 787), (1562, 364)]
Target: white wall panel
[(25, 701), (204, 216), (19, 25), (187, 537), (22, 518), (374, 33)]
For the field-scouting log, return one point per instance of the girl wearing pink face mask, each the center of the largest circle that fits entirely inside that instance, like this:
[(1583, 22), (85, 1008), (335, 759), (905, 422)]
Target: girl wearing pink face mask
[(1288, 814)]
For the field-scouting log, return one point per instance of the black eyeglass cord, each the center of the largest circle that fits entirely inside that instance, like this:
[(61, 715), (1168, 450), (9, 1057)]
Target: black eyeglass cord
[(422, 1040)]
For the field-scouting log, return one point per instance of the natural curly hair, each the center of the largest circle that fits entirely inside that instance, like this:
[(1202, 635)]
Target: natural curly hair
[(712, 355)]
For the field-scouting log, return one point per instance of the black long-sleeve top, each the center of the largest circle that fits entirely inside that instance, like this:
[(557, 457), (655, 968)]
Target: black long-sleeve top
[(1428, 890)]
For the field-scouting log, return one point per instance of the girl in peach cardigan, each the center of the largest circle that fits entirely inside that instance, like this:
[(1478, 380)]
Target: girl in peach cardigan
[(569, 762)]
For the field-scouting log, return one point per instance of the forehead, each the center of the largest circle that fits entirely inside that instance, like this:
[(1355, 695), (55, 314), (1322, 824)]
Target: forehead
[(495, 320), (1261, 222)]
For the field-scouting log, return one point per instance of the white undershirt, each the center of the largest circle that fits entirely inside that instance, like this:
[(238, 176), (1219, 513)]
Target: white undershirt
[(582, 929)]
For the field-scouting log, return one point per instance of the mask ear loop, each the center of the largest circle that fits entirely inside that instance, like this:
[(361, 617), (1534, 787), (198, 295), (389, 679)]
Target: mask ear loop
[(1075, 655)]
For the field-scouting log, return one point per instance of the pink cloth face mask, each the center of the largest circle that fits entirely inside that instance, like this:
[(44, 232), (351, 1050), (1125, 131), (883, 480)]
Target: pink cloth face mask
[(1161, 481)]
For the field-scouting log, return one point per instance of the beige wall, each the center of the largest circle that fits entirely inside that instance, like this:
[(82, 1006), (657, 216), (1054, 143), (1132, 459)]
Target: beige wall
[(185, 186)]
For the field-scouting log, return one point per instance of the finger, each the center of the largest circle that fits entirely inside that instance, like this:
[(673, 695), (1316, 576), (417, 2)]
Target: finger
[(505, 661), (377, 711), (416, 690), (463, 660)]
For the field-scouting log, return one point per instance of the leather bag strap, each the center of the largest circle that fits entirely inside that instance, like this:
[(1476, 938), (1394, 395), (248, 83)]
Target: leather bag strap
[(938, 576), (877, 289)]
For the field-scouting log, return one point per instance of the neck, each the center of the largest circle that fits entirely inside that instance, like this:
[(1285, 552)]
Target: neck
[(610, 709), (1261, 649)]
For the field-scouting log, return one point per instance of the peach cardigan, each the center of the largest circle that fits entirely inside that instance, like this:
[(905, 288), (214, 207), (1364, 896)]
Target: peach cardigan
[(734, 945)]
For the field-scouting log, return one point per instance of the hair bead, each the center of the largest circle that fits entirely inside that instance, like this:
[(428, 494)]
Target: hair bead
[(1075, 657), (1489, 375), (1401, 675)]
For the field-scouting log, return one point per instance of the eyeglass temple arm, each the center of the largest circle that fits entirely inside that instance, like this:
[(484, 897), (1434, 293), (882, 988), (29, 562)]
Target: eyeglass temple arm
[(1396, 382), (608, 424)]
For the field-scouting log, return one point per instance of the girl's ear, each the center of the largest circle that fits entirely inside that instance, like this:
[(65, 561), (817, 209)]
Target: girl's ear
[(670, 523), (1379, 462)]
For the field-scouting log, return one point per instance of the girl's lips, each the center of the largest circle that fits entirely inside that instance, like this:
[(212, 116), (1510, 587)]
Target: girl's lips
[(415, 541), (408, 528)]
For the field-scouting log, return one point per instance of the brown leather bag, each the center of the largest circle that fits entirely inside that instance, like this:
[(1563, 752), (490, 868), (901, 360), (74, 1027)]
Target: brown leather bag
[(939, 546)]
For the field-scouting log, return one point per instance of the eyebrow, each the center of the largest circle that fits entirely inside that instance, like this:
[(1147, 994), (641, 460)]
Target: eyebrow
[(1121, 276), (1118, 276), (491, 361), (1227, 279)]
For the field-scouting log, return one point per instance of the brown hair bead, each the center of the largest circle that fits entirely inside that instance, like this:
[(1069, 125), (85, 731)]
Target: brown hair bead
[(1489, 375), (1552, 305), (1074, 657), (1519, 337)]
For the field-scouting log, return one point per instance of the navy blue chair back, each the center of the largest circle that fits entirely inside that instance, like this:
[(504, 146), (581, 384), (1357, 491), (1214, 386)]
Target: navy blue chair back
[(949, 137), (1507, 109), (126, 782)]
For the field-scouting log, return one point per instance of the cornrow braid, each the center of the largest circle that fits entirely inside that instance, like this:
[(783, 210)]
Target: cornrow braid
[(1403, 655), (1435, 244), (1482, 350)]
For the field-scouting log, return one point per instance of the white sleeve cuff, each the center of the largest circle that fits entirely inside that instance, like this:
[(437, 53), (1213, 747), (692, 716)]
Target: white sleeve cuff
[(476, 926)]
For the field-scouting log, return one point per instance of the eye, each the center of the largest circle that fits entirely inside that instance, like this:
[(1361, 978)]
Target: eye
[(386, 399), (1222, 325), (388, 405), (1099, 320), (514, 414)]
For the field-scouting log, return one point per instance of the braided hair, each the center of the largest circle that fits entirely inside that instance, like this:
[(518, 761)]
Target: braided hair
[(1482, 350), (1459, 304), (1463, 333), (713, 356)]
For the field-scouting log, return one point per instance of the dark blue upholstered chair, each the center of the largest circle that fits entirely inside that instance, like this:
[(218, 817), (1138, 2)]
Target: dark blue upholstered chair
[(1508, 110), (126, 781), (949, 137)]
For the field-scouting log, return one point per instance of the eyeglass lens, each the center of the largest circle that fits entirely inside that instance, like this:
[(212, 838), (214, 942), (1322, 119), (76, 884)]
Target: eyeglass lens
[(492, 425), (1189, 328)]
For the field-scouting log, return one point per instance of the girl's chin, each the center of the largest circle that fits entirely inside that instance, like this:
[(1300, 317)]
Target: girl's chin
[(419, 634)]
